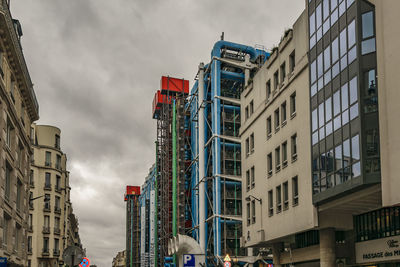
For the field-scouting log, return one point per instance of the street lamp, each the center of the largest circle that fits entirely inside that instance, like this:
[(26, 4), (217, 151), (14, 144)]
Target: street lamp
[(249, 197)]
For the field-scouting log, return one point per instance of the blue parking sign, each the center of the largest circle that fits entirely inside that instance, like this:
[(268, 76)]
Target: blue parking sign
[(188, 260), (3, 262)]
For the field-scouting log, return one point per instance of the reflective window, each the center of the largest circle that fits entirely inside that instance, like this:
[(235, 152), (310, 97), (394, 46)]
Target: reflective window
[(327, 77), (354, 111), (353, 90), (320, 83), (349, 3), (334, 16), (352, 54), (343, 43), (312, 41), (318, 12), (355, 147), (328, 109), (313, 72), (345, 97), (327, 58), (321, 133), (342, 8), (326, 9), (312, 23), (337, 123), (315, 138), (343, 62), (320, 65), (368, 46), (319, 34), (356, 169), (326, 26), (328, 128), (313, 89), (335, 70), (314, 120), (346, 149), (371, 91), (333, 4), (352, 33), (367, 25), (321, 115), (345, 117), (335, 50), (338, 157), (336, 103)]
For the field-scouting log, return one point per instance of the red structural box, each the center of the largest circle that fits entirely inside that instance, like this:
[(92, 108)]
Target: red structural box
[(132, 190), (158, 101), (174, 85)]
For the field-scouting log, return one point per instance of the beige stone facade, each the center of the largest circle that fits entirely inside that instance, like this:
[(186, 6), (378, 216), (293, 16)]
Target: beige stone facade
[(52, 224), (276, 169), (18, 109)]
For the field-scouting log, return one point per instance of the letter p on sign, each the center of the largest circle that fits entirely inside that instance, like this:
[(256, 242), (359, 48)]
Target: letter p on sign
[(188, 260)]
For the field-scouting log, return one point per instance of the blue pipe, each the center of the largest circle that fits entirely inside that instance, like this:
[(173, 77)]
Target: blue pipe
[(254, 53), (228, 75)]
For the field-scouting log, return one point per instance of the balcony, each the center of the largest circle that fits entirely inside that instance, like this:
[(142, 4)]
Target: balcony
[(46, 208), (57, 231), (46, 230), (57, 210), (47, 164), (47, 187), (45, 252), (57, 188), (56, 252)]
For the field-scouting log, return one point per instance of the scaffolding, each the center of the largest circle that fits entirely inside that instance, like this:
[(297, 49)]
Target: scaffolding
[(172, 180), (132, 226), (224, 79)]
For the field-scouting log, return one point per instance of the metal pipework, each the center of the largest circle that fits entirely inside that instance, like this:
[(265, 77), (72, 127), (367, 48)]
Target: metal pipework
[(202, 194)]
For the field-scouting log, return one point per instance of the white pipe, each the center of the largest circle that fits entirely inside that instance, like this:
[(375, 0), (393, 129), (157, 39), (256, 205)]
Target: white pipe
[(202, 192)]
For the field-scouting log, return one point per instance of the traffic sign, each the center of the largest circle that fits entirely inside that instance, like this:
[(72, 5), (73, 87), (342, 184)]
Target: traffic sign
[(3, 262), (189, 260), (227, 258), (85, 263), (227, 264)]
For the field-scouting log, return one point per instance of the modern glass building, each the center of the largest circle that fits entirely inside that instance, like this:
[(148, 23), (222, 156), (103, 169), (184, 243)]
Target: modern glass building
[(344, 97)]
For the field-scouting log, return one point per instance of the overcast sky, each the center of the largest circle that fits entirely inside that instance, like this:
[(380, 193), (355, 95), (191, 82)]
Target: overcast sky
[(96, 65)]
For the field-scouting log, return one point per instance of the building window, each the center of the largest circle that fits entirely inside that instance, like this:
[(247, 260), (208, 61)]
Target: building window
[(292, 61), (269, 164), (57, 223), (46, 221), (57, 141), (20, 154), (252, 143), (276, 80), (368, 33), (58, 182), (269, 127), (270, 203), (57, 207), (17, 243), (56, 246), (293, 104), (277, 123), (47, 183), (19, 194), (23, 114), (45, 245), (294, 147), (283, 113), (295, 191), (253, 211), (371, 91), (48, 159), (268, 88), (284, 154), (278, 199), (58, 162), (248, 180), (31, 179), (246, 112), (7, 220), (285, 195), (251, 107), (8, 181), (252, 176), (29, 244), (9, 132), (47, 201), (278, 158), (247, 147), (283, 72), (248, 213)]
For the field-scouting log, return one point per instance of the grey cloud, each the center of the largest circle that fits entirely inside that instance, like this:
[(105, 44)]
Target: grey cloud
[(96, 65)]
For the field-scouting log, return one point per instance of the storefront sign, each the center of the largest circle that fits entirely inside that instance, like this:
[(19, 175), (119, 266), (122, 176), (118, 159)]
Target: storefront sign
[(379, 250)]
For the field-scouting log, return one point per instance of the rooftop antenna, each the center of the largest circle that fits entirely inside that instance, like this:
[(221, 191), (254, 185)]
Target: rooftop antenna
[(222, 36)]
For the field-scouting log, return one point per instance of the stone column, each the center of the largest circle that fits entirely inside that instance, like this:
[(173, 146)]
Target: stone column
[(276, 253), (327, 247)]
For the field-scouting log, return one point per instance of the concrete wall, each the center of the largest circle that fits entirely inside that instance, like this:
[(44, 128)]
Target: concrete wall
[(388, 43), (280, 224)]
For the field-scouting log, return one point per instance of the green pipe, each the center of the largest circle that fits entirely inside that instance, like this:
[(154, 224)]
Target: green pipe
[(174, 182), (156, 211)]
